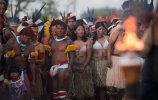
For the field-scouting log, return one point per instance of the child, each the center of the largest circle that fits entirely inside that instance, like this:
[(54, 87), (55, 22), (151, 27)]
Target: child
[(16, 84)]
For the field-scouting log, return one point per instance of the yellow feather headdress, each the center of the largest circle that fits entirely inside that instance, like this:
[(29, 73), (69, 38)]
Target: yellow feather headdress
[(47, 29)]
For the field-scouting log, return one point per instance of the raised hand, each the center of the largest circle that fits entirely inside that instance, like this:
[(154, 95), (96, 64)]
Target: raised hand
[(146, 6)]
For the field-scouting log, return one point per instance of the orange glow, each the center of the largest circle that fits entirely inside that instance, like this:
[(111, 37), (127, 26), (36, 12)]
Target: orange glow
[(130, 41)]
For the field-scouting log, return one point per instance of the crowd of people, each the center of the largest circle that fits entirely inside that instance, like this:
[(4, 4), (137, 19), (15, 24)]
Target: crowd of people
[(62, 59)]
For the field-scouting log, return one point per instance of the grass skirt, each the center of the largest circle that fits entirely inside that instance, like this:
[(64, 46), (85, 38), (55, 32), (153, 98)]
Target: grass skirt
[(81, 84), (99, 73), (114, 75)]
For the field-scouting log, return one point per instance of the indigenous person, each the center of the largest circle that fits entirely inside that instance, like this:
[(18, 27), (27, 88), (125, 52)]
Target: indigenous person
[(39, 60), (99, 59), (49, 35), (71, 21), (16, 85), (21, 53), (59, 61), (115, 80), (82, 83)]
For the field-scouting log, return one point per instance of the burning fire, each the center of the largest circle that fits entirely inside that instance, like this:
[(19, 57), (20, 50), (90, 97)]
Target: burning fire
[(130, 41)]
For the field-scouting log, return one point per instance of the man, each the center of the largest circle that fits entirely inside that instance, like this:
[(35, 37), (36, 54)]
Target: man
[(21, 54), (59, 60), (39, 60), (71, 21)]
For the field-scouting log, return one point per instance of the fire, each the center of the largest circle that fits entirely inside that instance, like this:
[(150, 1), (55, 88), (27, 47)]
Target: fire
[(130, 41)]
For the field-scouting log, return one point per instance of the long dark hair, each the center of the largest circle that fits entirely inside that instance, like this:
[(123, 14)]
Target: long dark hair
[(97, 25), (84, 37)]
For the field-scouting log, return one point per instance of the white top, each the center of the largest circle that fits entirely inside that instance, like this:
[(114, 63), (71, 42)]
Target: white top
[(97, 45), (83, 48)]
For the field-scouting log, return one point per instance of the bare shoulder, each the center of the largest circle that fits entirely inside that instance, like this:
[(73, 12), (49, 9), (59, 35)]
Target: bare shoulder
[(11, 42), (107, 37), (75, 42), (89, 42), (68, 40)]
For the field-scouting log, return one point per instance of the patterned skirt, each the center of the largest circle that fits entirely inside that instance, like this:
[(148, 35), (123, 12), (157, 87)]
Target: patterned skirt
[(81, 84), (99, 72), (114, 75)]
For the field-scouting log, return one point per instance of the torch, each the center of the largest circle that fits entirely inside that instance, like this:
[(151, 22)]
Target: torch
[(130, 62)]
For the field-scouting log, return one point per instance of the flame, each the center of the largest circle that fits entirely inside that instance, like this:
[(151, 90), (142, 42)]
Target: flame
[(130, 41)]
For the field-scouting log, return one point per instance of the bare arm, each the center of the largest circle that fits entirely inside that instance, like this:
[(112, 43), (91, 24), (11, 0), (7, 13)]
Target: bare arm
[(71, 60), (89, 52), (41, 58), (112, 39), (71, 56)]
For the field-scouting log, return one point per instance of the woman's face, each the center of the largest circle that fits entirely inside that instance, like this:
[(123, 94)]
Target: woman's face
[(80, 31), (101, 31)]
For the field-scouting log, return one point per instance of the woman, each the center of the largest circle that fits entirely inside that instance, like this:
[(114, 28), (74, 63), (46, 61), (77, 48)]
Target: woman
[(99, 59), (82, 73), (115, 82)]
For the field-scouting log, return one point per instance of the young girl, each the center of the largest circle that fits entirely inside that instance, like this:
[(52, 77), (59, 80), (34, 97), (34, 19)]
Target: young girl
[(82, 84), (16, 85)]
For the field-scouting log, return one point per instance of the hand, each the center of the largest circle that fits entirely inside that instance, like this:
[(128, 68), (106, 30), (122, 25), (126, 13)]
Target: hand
[(109, 63)]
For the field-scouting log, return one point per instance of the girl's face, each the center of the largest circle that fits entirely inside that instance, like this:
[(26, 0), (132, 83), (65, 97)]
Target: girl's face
[(14, 75), (80, 31), (101, 31)]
